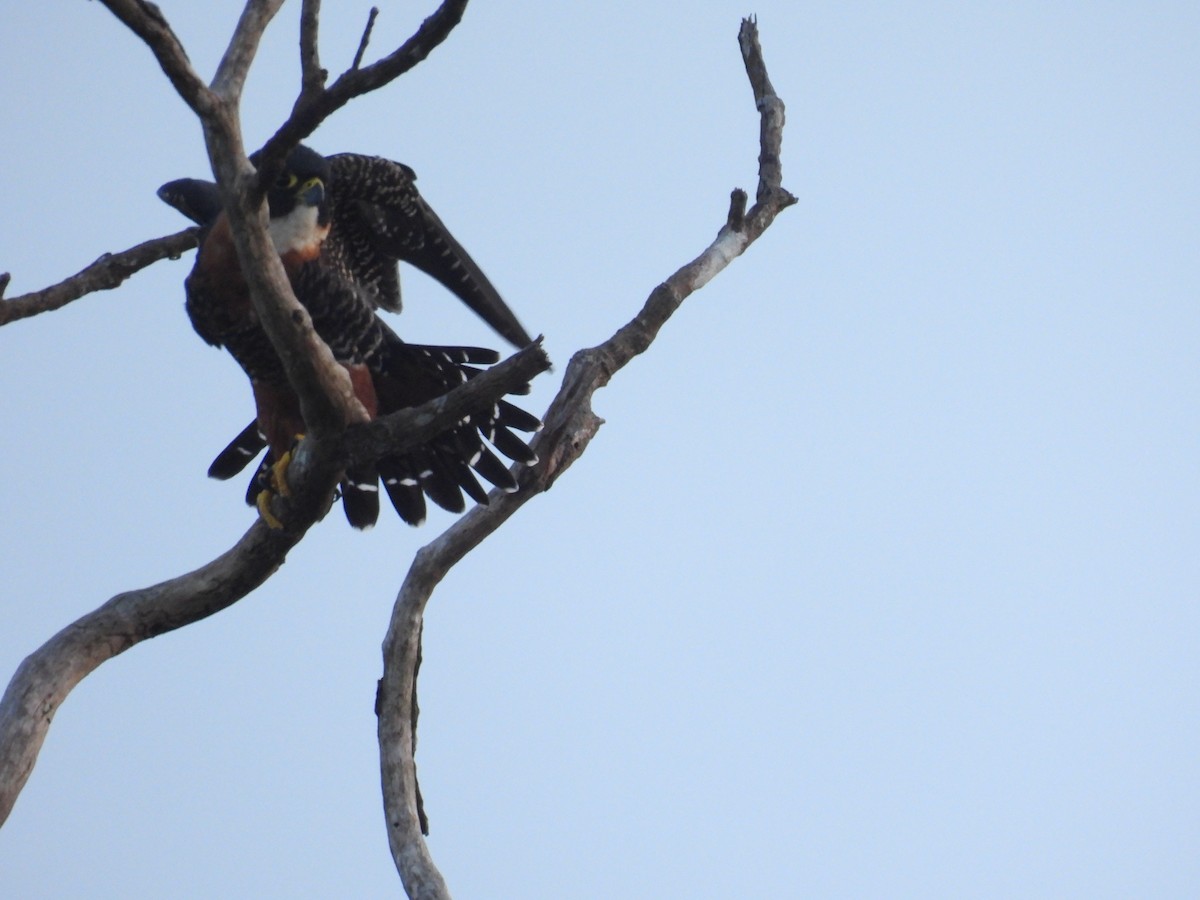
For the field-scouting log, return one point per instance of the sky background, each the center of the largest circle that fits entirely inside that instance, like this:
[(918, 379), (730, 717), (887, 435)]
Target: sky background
[(881, 579)]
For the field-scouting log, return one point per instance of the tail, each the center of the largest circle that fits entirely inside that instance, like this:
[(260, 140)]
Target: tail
[(360, 497), (238, 454), (442, 469)]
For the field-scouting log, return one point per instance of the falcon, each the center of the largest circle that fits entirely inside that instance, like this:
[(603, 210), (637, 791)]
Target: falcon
[(340, 225)]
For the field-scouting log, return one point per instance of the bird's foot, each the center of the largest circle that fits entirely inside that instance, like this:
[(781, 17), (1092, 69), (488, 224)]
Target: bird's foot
[(264, 510), (276, 485)]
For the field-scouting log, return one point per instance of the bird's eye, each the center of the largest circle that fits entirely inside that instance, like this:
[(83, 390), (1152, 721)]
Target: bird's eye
[(285, 180)]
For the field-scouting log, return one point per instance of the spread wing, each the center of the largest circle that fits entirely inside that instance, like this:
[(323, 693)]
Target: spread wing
[(380, 218)]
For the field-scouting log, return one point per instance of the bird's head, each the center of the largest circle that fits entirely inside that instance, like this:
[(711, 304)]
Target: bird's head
[(298, 202)]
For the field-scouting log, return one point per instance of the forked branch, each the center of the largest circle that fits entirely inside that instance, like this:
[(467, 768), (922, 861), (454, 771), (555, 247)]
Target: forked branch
[(313, 108), (570, 425)]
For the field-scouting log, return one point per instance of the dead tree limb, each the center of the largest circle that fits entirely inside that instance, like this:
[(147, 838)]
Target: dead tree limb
[(570, 425), (106, 273), (312, 76), (47, 676), (311, 109), (365, 39)]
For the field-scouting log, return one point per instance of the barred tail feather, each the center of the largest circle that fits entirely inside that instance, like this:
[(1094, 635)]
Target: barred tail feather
[(511, 445), (360, 497), (443, 469), (440, 483), (403, 490), (494, 470), (238, 454), (514, 417)]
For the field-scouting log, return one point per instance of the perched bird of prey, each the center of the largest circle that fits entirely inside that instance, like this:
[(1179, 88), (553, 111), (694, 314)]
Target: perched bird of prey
[(340, 225), (377, 218)]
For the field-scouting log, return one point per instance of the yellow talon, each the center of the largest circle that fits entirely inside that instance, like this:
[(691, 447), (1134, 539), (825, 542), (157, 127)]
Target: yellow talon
[(277, 483), (278, 477), (264, 510)]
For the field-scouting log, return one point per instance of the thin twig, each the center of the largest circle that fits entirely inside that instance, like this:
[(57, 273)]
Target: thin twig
[(307, 115), (312, 76), (366, 39), (106, 273)]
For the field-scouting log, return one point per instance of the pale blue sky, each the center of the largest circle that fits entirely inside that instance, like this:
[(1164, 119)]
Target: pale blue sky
[(881, 580)]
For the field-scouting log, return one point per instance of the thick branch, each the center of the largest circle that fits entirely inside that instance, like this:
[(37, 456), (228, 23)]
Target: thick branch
[(106, 273), (570, 425), (235, 64), (396, 706), (47, 675), (326, 398)]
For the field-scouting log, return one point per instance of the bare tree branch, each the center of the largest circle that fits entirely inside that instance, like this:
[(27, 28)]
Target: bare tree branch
[(307, 114), (231, 71), (365, 39), (147, 22), (570, 425), (770, 171), (46, 677), (312, 76), (326, 398), (395, 705), (106, 273), (43, 680)]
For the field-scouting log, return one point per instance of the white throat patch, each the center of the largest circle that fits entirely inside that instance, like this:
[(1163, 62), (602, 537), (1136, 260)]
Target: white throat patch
[(298, 230)]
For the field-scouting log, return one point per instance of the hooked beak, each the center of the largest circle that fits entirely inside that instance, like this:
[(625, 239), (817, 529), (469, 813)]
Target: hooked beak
[(311, 193)]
